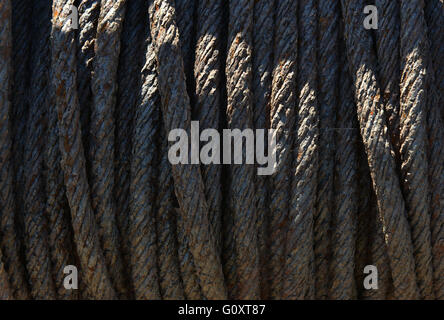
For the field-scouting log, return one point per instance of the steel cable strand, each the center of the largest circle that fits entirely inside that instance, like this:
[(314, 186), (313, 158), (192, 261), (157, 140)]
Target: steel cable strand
[(435, 130), (188, 183), (88, 11), (345, 212), (325, 196), (207, 106), (379, 258), (130, 64), (38, 261), (186, 20), (191, 285), (10, 244), (263, 24), (5, 291), (102, 140), (413, 137), (170, 280), (371, 118), (171, 284), (92, 262), (241, 193), (21, 45), (434, 15), (142, 219), (388, 54), (370, 247), (282, 118), (60, 236), (300, 90)]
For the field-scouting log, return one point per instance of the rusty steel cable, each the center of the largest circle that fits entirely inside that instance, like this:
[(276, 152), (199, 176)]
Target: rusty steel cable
[(207, 106), (413, 137), (88, 11), (378, 148), (388, 53), (35, 220), (299, 281), (141, 229), (92, 261), (282, 118), (177, 114), (102, 130), (327, 35), (93, 204), (10, 244), (434, 15), (244, 256), (263, 24), (344, 217)]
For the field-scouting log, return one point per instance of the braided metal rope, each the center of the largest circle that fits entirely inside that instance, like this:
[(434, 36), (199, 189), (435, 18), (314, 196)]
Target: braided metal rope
[(241, 180), (207, 107), (299, 281), (434, 15), (95, 274), (21, 45), (344, 217), (187, 178), (142, 220), (57, 209), (413, 137), (388, 53), (5, 291), (102, 130), (282, 118), (86, 177), (435, 128), (326, 50), (36, 237), (263, 24), (9, 243), (378, 148), (88, 11)]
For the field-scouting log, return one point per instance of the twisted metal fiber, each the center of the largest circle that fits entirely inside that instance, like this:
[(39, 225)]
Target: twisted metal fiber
[(435, 130), (88, 18), (21, 45), (9, 243), (142, 219), (263, 24), (241, 197), (328, 71), (191, 286), (434, 15), (378, 149), (5, 291), (299, 281), (102, 130), (366, 205), (345, 213), (207, 106), (370, 247), (185, 12), (187, 179), (282, 108), (388, 54), (37, 252), (413, 137), (60, 237), (130, 64), (92, 262), (379, 258), (171, 283)]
